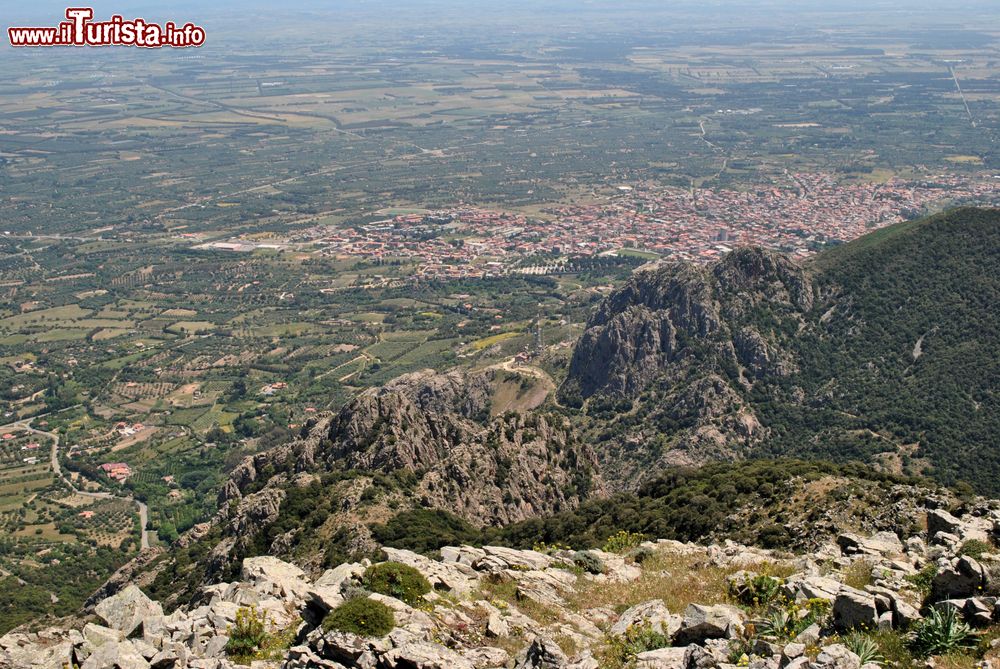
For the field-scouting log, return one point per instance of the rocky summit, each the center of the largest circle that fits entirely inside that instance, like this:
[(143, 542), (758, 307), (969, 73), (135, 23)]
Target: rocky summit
[(638, 603)]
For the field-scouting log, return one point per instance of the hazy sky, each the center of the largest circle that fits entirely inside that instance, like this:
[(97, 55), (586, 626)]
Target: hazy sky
[(536, 15)]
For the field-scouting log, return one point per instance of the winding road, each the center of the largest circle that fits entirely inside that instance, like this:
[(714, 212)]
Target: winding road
[(57, 470)]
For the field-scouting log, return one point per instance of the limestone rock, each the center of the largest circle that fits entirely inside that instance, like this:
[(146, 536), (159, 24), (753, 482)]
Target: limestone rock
[(708, 622), (653, 613), (426, 655), (854, 609), (663, 658), (837, 656), (542, 653), (128, 610)]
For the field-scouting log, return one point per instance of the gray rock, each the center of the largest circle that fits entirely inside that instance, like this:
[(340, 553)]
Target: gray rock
[(487, 656), (454, 576), (663, 658), (809, 636), (854, 609), (586, 661), (939, 520), (425, 655), (167, 658), (697, 657), (216, 646), (269, 575), (708, 622), (792, 651), (812, 587), (882, 543), (764, 663), (519, 559), (963, 578), (837, 656), (95, 635), (542, 653), (116, 655), (978, 611), (496, 626), (904, 614), (653, 613), (128, 610)]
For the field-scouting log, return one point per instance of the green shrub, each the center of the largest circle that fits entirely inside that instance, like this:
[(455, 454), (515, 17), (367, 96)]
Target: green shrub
[(923, 579), (398, 580), (623, 541), (941, 632), (757, 591), (424, 531), (588, 562), (788, 620), (975, 548), (621, 650), (248, 634), (640, 554), (361, 616)]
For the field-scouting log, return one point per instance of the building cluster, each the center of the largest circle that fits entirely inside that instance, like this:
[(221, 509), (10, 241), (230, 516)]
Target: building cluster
[(798, 213), (118, 471)]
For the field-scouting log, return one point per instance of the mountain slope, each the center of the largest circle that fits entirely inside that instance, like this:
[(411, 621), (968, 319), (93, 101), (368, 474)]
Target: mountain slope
[(884, 349)]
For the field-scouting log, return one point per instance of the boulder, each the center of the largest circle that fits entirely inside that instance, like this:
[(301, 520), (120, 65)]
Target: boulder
[(454, 576), (854, 609), (466, 555), (486, 657), (542, 653), (939, 520), (708, 622), (510, 558), (95, 636), (904, 614), (837, 656), (425, 655), (116, 655), (663, 658), (129, 610), (811, 587), (496, 626), (545, 587), (792, 651), (653, 613), (880, 544), (272, 576), (963, 577)]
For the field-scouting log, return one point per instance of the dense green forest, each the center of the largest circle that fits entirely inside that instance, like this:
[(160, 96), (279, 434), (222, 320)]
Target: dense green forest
[(907, 356), (744, 501)]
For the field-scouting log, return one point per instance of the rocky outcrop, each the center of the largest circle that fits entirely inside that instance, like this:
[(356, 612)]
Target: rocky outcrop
[(495, 606), (681, 346), (438, 430), (666, 310)]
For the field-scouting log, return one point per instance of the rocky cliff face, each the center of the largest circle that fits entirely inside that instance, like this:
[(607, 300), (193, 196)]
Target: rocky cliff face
[(487, 469), (688, 343), (431, 432)]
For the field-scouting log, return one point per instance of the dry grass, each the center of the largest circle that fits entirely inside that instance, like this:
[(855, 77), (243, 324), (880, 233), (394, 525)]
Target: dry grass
[(494, 589), (859, 574), (679, 580)]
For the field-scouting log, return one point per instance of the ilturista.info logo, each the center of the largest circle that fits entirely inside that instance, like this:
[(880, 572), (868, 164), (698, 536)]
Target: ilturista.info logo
[(80, 29)]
